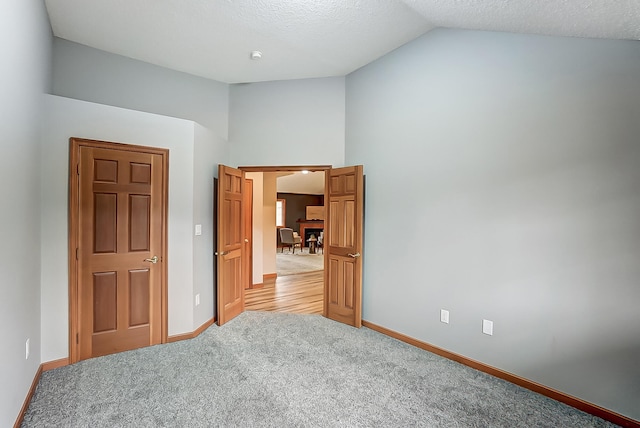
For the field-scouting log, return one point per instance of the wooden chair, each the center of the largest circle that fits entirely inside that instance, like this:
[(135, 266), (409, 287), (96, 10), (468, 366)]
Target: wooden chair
[(288, 240)]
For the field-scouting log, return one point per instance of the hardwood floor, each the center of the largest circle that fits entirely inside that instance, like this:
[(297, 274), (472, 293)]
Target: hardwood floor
[(299, 294)]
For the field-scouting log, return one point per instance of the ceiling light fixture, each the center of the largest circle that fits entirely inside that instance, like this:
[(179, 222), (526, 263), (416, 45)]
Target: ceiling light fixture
[(255, 55), (304, 171)]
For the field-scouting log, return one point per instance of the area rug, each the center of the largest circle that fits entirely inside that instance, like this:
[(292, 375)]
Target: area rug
[(300, 262)]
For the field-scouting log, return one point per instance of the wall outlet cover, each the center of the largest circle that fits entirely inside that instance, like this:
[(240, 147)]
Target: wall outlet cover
[(487, 327), (444, 316)]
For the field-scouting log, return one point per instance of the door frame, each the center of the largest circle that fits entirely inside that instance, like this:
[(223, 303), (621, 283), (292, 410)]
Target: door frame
[(248, 220), (73, 232)]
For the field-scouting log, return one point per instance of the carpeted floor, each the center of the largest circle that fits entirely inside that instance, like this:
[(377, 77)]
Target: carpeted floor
[(288, 263), (283, 370)]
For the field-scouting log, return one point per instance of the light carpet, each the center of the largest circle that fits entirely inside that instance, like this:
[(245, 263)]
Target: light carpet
[(300, 262), (284, 370)]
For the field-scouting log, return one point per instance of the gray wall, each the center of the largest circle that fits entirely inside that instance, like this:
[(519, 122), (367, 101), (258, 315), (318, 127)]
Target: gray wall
[(295, 122), (518, 159), (25, 43), (90, 74), (206, 157), (67, 117)]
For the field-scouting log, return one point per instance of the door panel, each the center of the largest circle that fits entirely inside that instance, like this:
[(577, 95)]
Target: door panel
[(139, 214), (231, 248), (104, 301), (139, 297), (343, 251), (120, 228), (104, 233)]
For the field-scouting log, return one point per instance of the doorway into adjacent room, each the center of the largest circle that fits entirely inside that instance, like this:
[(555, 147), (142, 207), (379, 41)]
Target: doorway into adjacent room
[(342, 243), (293, 278), (299, 207)]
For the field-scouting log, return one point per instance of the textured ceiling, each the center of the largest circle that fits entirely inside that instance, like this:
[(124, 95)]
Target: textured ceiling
[(311, 38)]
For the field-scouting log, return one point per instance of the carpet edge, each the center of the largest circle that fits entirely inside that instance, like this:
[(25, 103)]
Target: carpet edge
[(562, 397), (27, 400)]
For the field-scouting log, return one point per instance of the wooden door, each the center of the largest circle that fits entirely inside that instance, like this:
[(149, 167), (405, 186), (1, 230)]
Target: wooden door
[(248, 234), (344, 194), (120, 252), (230, 249)]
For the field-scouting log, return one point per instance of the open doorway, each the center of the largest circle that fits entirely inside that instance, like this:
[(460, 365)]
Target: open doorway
[(292, 276), (299, 214), (343, 240)]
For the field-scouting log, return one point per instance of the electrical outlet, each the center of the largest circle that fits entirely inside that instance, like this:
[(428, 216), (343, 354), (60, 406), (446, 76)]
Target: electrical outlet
[(198, 229), (197, 299), (26, 349), (487, 327), (444, 316)]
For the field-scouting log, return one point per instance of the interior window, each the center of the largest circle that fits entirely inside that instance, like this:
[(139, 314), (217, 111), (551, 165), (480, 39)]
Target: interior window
[(280, 212)]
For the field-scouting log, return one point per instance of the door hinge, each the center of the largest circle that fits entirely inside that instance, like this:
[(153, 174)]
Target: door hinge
[(76, 253), (77, 338), (78, 169)]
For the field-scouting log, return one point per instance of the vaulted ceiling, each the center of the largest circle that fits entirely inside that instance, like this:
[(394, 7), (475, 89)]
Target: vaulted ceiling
[(311, 38)]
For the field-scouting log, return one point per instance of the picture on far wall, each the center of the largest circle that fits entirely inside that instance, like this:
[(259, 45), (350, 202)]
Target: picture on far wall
[(315, 212)]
